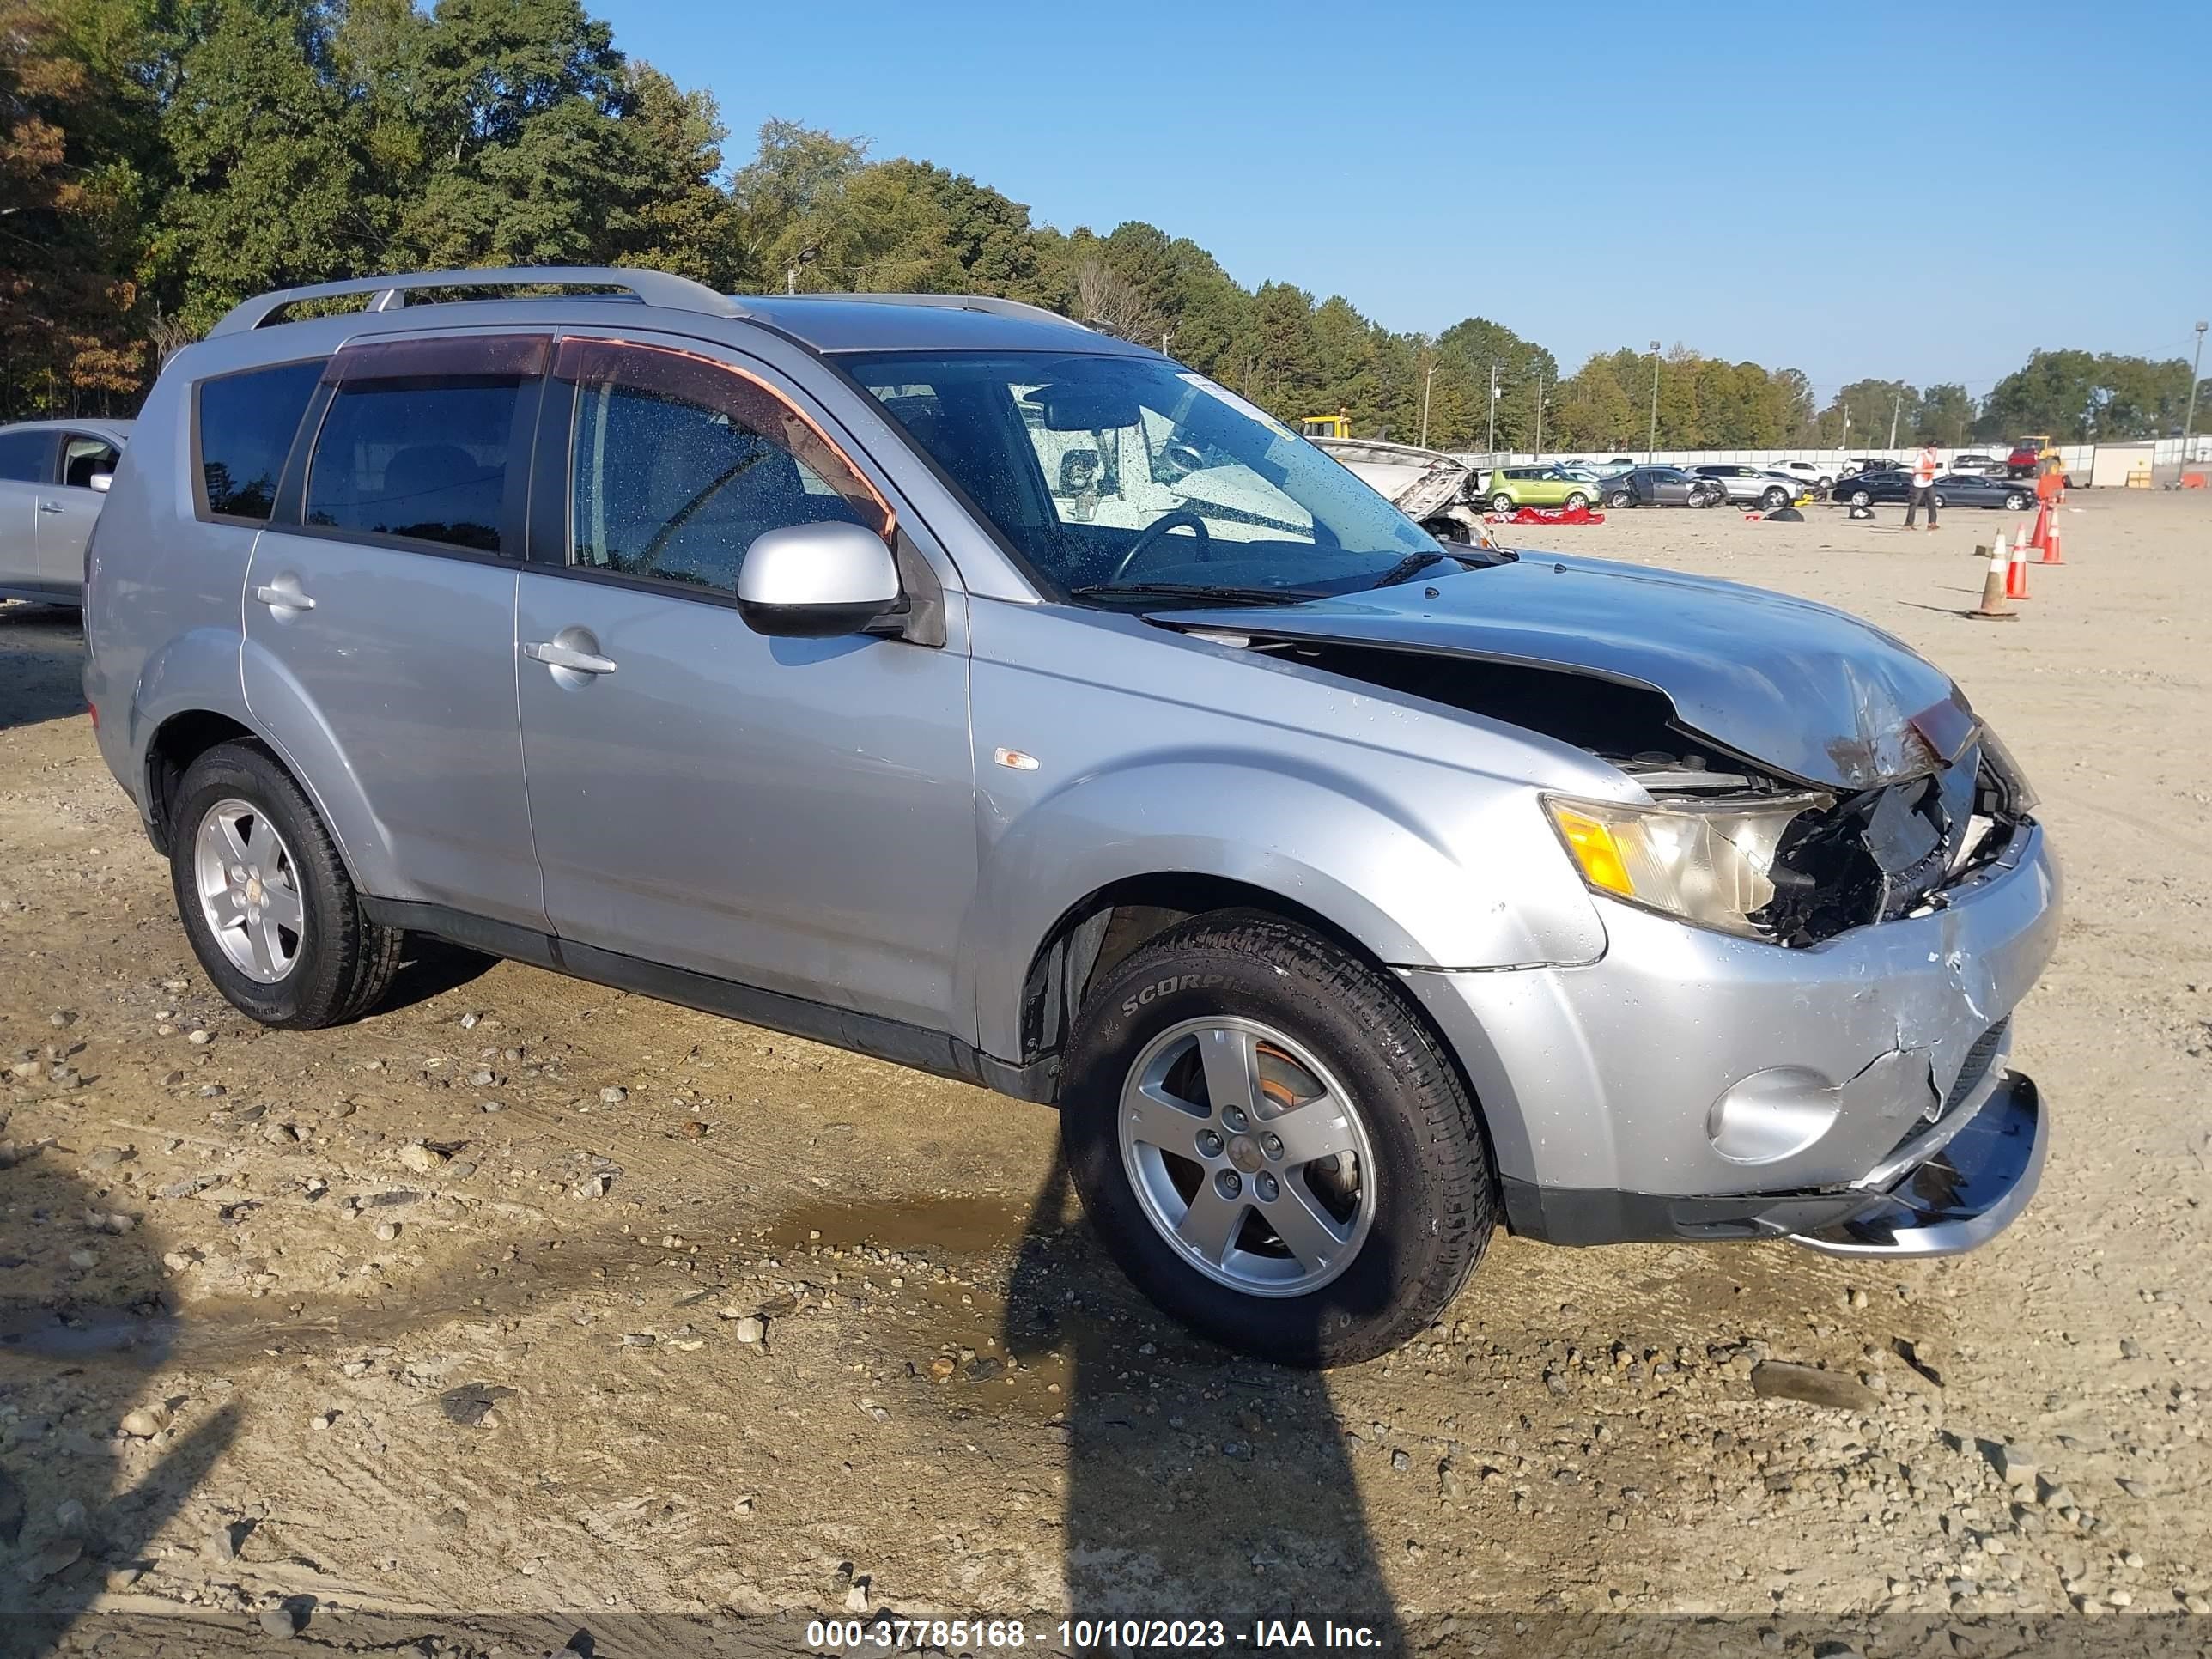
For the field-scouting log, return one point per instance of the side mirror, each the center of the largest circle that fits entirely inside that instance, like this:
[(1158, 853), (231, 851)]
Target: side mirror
[(815, 581), (102, 482)]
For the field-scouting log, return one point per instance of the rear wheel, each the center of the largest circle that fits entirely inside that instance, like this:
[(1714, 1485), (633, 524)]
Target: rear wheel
[(1270, 1143), (266, 899), (1860, 498), (1501, 503)]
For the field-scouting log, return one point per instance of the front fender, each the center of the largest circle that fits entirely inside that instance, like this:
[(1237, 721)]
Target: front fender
[(1473, 882)]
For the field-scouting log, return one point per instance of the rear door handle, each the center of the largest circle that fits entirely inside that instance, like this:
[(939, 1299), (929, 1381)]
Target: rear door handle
[(287, 598), (554, 654), (50, 506)]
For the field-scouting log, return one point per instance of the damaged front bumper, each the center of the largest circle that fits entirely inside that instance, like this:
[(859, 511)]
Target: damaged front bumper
[(1852, 1095)]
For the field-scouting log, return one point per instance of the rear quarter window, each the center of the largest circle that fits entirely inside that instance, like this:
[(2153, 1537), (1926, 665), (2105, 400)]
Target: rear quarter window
[(243, 426)]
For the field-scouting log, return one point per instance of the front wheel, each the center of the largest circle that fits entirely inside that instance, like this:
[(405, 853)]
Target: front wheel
[(1577, 499), (267, 901), (1271, 1145), (1774, 498), (1860, 498), (2015, 503), (1501, 503), (1621, 500)]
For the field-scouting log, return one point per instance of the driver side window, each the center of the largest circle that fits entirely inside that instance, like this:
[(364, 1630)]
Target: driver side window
[(679, 464)]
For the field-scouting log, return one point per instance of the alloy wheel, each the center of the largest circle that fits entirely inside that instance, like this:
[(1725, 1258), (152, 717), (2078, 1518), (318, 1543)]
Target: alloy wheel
[(249, 890), (1248, 1155)]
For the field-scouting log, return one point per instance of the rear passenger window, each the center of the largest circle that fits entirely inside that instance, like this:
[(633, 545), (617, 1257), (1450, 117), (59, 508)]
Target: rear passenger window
[(25, 456), (246, 423), (677, 465), (425, 458)]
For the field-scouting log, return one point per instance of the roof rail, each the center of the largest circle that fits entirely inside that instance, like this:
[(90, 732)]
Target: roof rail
[(991, 303), (388, 293)]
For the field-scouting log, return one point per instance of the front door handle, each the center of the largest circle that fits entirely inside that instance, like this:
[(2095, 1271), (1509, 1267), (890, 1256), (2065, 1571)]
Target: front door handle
[(50, 506), (283, 598), (554, 654)]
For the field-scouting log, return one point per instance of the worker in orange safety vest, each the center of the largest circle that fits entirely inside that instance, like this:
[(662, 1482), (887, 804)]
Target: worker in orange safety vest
[(2050, 482), (1924, 468)]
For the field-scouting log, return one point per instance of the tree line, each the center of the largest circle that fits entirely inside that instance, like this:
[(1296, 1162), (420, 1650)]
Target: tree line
[(160, 160)]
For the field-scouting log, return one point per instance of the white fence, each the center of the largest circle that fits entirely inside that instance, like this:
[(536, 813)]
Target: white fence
[(2166, 463)]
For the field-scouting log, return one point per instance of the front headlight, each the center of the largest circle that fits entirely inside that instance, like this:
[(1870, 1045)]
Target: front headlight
[(1709, 865)]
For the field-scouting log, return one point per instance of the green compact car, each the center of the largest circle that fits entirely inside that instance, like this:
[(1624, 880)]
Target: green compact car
[(1512, 487)]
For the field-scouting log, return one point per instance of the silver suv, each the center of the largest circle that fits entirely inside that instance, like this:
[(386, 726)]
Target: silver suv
[(938, 679)]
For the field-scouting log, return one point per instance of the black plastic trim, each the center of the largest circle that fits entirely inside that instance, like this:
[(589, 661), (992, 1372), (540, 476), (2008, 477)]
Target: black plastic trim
[(935, 1052), (1576, 1215)]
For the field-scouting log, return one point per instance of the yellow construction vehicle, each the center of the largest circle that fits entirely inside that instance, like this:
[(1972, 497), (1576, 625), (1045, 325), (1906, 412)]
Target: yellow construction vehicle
[(1338, 425)]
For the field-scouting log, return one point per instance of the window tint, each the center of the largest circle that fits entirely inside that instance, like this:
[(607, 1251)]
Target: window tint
[(25, 456), (82, 457), (425, 458), (679, 465), (246, 424)]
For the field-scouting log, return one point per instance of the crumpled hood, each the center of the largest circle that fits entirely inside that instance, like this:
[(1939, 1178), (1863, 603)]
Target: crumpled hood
[(1801, 689)]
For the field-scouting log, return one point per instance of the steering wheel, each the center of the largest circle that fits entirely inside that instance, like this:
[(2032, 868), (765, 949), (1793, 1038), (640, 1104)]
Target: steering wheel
[(1151, 535)]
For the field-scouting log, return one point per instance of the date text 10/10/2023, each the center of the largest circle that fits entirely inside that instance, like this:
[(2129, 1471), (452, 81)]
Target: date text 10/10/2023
[(890, 1634)]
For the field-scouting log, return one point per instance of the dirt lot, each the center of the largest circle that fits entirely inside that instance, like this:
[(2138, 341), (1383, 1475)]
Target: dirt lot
[(528, 1313)]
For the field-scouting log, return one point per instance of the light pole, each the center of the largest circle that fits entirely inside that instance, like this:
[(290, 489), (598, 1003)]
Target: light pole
[(1537, 454), (1427, 386), (1651, 447), (2188, 420), (1490, 444)]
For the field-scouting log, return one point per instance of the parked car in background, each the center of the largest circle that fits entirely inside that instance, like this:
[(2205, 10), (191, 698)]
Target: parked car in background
[(1663, 486), (54, 476), (1952, 489), (1869, 464), (1543, 485), (1982, 464), (1753, 485), (1618, 903), (1819, 477)]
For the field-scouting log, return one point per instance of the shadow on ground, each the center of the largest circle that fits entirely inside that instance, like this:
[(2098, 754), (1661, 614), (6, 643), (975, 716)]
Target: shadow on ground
[(83, 1334), (41, 664), (1199, 1485)]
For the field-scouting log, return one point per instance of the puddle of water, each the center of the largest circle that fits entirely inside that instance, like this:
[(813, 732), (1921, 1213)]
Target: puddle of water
[(971, 1225)]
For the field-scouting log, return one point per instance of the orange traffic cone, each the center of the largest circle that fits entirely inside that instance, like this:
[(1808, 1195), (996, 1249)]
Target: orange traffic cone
[(2050, 553), (1994, 606), (2016, 571), (2041, 535)]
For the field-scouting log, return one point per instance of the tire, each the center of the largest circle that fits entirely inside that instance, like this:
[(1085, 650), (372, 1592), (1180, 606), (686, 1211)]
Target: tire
[(1620, 500), (2015, 503), (340, 962), (1501, 503), (1771, 499), (1575, 499), (1861, 498), (1425, 1200)]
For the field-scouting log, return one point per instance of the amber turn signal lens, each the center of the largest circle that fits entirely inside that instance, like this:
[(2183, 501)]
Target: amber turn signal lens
[(1592, 844)]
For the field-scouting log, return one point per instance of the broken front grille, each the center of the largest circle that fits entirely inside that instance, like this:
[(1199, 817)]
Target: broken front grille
[(1976, 1067)]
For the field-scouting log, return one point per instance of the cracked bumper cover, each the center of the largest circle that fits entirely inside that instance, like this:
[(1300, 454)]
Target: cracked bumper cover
[(1882, 1119)]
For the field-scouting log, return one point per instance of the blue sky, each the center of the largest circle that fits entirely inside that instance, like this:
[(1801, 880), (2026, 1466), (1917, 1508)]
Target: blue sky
[(1591, 176)]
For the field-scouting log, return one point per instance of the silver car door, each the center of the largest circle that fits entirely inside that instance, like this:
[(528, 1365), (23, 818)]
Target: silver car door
[(26, 465), (68, 511), (797, 815), (379, 606)]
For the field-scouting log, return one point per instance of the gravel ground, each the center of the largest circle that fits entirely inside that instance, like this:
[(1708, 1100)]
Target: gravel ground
[(526, 1313)]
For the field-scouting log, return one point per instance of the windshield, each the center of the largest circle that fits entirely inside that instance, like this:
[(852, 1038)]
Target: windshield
[(1128, 474)]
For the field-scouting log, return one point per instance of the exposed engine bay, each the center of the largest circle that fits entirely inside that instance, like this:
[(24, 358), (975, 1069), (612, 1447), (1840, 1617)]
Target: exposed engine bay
[(1845, 859)]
